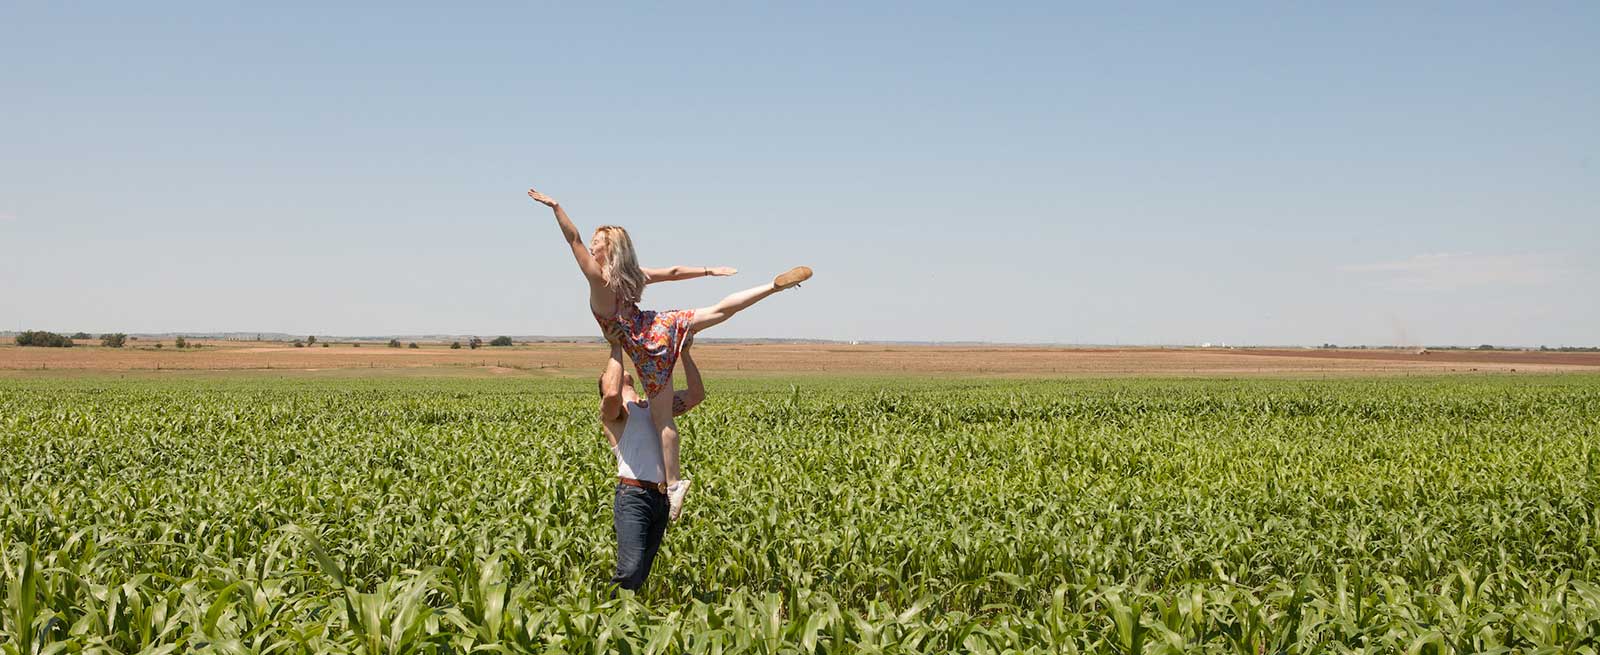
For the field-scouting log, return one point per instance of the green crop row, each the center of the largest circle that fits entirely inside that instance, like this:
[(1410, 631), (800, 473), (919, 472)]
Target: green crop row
[(1390, 515)]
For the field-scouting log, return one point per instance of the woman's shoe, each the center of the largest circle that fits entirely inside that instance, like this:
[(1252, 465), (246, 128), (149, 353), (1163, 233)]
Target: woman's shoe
[(675, 495), (792, 278)]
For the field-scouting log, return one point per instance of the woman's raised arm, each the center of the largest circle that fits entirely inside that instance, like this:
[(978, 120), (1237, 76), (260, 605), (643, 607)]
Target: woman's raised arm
[(569, 232)]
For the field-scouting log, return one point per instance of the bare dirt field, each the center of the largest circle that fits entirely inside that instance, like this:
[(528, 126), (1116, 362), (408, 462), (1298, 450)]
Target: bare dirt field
[(1452, 357), (567, 359)]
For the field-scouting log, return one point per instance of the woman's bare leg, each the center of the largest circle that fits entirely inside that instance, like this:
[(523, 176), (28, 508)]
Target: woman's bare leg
[(737, 302), (661, 416), (724, 309), (661, 402)]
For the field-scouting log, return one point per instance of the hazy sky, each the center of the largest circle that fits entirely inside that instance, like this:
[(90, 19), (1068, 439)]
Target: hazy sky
[(1151, 173)]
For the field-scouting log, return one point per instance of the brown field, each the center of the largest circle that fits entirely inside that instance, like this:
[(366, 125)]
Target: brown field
[(569, 359)]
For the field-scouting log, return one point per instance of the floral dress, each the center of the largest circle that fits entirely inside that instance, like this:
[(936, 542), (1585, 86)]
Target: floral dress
[(652, 339)]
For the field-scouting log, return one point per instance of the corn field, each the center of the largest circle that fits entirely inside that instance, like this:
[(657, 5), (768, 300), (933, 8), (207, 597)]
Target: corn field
[(1438, 515)]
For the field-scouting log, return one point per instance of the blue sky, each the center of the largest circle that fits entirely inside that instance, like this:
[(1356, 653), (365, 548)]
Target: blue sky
[(1138, 173)]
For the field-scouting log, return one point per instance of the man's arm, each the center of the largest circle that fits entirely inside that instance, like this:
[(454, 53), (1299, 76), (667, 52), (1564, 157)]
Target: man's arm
[(675, 273), (683, 401), (611, 405)]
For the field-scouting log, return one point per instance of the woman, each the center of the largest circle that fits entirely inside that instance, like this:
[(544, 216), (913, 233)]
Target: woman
[(652, 339)]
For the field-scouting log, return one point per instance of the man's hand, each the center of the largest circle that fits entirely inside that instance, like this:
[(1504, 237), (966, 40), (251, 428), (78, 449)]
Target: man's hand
[(721, 271), (685, 400), (543, 199)]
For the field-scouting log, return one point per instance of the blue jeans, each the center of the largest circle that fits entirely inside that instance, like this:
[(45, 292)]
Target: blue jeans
[(640, 518)]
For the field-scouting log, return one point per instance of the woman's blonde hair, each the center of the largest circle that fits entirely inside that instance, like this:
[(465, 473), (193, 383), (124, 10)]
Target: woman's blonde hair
[(622, 272)]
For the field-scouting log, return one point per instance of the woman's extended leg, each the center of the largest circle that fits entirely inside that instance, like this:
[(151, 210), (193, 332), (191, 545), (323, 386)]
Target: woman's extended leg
[(661, 400), (724, 309)]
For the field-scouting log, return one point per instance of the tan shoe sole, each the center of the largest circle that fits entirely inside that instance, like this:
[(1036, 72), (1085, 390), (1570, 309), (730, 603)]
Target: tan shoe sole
[(792, 277), (675, 498)]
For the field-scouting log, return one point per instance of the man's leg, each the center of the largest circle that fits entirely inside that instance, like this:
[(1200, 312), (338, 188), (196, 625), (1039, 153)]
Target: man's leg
[(632, 515), (658, 528)]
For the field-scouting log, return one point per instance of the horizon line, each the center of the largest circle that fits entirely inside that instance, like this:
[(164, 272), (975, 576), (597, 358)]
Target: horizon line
[(286, 337)]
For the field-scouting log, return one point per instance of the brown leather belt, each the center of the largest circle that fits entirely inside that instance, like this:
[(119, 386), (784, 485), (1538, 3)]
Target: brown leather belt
[(658, 487)]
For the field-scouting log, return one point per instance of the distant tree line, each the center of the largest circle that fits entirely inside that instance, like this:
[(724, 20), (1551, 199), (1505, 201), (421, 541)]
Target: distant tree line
[(119, 340), (46, 339), (43, 339)]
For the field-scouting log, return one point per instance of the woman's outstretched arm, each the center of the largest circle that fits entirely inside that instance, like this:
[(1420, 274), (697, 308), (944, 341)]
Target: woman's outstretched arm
[(569, 232), (675, 273)]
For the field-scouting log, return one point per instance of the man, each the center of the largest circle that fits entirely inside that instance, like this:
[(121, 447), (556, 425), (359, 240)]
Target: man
[(641, 510)]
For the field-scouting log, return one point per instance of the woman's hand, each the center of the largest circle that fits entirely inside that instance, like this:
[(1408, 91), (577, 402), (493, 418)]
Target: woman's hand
[(721, 271), (543, 199)]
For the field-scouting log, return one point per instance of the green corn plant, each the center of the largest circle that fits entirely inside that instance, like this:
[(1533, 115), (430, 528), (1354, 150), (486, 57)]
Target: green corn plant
[(830, 515)]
